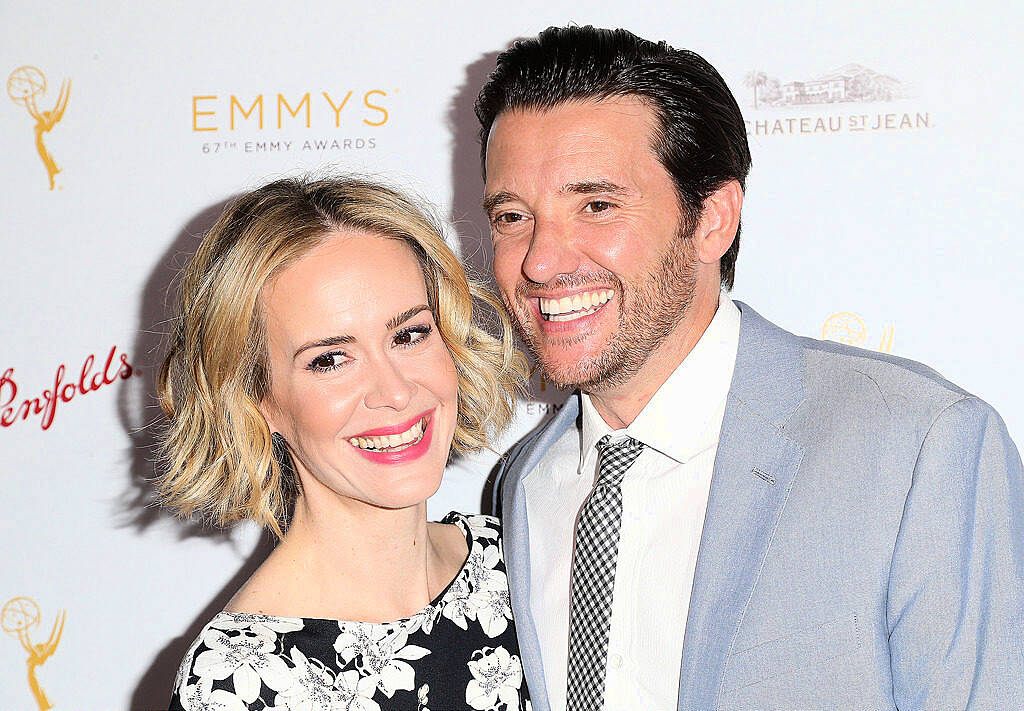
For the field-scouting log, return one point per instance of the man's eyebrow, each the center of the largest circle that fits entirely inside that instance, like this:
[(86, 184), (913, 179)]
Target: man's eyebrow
[(582, 187), (341, 340), (589, 187), (401, 318), (499, 198)]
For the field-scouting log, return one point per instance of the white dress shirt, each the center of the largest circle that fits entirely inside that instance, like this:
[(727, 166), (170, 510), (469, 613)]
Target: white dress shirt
[(664, 497)]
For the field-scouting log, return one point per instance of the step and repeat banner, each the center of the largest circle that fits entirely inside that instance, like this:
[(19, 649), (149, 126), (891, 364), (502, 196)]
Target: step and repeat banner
[(881, 211)]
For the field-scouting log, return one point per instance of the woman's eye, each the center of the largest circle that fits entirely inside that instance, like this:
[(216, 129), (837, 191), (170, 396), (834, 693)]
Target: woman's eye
[(328, 361), (598, 206), (412, 335)]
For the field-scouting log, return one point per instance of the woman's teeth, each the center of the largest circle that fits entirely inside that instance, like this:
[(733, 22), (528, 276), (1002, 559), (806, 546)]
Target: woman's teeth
[(394, 442), (573, 307)]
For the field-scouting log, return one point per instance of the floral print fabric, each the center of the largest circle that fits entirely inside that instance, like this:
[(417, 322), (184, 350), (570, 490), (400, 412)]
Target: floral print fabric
[(459, 652)]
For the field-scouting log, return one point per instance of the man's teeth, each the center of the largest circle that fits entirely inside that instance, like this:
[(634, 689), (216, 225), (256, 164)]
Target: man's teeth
[(391, 443), (576, 306)]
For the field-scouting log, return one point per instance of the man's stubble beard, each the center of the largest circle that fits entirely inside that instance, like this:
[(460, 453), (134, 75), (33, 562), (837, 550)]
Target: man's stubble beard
[(648, 313)]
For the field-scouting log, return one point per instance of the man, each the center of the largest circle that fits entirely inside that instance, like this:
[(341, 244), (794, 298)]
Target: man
[(726, 515)]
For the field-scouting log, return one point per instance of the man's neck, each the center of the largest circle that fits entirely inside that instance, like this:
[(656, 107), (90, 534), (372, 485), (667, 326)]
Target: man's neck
[(620, 405)]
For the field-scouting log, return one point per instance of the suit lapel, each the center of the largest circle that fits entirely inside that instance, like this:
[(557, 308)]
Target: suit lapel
[(754, 471), (516, 534)]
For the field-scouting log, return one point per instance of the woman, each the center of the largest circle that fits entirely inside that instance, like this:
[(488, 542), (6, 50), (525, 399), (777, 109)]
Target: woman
[(324, 364)]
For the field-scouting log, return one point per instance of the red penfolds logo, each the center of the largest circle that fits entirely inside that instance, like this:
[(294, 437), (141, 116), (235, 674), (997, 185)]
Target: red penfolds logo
[(116, 368)]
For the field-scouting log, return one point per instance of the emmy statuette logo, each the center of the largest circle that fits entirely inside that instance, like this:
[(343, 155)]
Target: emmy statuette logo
[(848, 328), (25, 86), (19, 615)]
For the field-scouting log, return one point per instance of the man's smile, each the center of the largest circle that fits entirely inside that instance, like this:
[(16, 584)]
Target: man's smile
[(570, 308)]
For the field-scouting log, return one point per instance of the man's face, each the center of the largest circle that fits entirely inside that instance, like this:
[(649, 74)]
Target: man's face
[(590, 250)]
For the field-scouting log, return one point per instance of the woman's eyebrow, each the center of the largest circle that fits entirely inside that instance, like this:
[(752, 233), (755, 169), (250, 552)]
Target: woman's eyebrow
[(341, 340), (401, 318), (329, 341)]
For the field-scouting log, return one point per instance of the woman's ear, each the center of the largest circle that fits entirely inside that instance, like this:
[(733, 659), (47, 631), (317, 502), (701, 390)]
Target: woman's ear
[(270, 413)]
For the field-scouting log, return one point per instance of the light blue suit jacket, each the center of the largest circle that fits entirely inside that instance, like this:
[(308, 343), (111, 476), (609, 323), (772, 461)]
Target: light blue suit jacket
[(863, 546)]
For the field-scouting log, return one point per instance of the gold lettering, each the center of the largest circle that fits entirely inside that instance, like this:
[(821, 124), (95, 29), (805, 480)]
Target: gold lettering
[(366, 100), (196, 113), (258, 103), (337, 109), (281, 101)]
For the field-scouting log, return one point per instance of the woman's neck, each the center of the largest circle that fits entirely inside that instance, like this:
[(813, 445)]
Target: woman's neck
[(353, 561)]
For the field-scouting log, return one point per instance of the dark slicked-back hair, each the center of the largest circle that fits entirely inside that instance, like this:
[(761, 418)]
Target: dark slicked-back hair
[(701, 139)]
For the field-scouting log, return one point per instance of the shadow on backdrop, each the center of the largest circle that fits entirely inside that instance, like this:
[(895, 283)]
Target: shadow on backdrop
[(141, 417), (138, 410), (471, 224), (467, 215), (153, 691)]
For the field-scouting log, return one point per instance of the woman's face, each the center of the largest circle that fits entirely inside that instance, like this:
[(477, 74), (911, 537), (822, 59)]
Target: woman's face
[(362, 386)]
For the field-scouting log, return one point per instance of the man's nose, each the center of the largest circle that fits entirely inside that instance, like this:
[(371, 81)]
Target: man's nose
[(551, 251), (388, 386)]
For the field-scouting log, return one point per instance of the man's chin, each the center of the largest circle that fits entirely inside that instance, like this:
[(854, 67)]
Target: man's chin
[(571, 372), (606, 370), (567, 360)]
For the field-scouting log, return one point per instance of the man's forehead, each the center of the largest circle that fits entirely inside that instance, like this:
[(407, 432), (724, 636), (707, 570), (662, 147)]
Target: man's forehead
[(592, 117), (570, 144)]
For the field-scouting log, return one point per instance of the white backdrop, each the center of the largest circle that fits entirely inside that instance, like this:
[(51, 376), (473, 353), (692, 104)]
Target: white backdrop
[(881, 209)]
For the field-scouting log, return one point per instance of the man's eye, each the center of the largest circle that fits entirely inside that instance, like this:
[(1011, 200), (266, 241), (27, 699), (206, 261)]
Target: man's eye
[(328, 361), (508, 218), (598, 206), (412, 335)]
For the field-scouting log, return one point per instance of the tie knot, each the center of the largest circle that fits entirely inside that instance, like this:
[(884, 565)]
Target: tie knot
[(608, 444), (616, 457)]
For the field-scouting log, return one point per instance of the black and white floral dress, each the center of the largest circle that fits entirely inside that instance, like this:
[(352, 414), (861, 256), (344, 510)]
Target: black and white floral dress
[(459, 652)]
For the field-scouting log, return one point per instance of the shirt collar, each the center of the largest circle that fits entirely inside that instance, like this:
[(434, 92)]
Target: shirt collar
[(683, 418)]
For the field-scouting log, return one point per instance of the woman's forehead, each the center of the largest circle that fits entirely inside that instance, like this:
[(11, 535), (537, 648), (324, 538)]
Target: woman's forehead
[(349, 279)]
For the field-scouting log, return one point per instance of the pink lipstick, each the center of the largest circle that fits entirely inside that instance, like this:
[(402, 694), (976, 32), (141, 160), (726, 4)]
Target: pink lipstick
[(373, 445)]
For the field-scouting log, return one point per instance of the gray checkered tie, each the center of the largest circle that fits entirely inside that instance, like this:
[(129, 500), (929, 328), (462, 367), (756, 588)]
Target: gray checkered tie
[(593, 576)]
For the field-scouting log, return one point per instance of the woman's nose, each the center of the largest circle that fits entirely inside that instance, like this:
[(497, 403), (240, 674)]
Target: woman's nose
[(388, 386)]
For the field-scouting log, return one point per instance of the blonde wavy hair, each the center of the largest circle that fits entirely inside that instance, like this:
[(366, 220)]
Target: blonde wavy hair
[(220, 459)]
